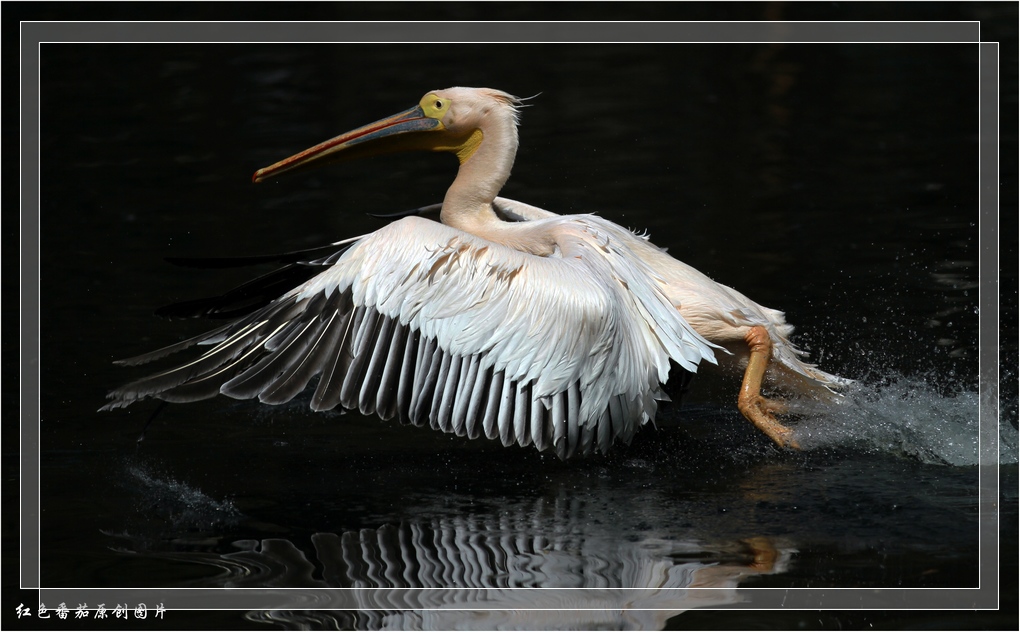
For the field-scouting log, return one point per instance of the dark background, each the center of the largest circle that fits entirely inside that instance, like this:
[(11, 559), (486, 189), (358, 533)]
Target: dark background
[(836, 182)]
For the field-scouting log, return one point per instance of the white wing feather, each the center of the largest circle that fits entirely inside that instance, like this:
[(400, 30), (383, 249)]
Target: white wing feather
[(472, 337)]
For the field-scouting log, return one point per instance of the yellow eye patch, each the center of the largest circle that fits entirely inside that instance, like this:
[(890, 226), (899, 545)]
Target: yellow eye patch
[(463, 144), (434, 107)]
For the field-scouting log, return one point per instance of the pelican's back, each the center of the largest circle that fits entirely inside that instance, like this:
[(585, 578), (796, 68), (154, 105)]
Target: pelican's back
[(718, 312)]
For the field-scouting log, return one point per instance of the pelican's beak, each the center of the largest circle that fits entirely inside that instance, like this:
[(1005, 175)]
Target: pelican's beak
[(409, 130)]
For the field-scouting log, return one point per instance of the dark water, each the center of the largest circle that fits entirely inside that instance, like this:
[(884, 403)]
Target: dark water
[(834, 182)]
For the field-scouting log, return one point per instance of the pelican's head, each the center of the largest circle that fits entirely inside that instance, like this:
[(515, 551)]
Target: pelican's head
[(453, 120)]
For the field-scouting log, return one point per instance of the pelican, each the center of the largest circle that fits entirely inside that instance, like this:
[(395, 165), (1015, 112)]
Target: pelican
[(501, 320)]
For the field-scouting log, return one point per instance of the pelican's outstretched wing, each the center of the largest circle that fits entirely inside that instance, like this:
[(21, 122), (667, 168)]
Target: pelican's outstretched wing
[(436, 326)]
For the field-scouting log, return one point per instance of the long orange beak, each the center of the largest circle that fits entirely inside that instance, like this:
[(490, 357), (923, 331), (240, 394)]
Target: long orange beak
[(400, 132)]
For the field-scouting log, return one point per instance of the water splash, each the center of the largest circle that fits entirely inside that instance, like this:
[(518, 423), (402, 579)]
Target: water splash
[(909, 416), (179, 503)]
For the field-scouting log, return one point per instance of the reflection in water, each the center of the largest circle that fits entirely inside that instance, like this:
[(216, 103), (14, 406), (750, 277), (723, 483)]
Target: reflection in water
[(468, 553), (477, 566), (477, 571)]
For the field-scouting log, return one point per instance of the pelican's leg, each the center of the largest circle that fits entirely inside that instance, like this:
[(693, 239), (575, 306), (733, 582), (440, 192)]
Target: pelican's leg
[(756, 408), (765, 554)]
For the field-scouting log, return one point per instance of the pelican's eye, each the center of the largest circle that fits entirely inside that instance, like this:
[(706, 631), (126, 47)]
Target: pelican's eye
[(434, 106)]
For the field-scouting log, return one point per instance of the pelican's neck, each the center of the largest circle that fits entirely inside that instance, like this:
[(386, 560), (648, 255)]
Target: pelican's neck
[(468, 202)]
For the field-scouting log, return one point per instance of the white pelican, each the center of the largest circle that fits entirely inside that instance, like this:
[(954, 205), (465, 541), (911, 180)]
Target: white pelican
[(502, 319)]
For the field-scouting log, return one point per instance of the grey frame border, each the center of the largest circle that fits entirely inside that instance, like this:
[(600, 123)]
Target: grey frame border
[(35, 33)]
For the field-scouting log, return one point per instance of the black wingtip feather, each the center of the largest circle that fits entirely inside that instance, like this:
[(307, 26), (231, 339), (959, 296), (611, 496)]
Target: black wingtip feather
[(294, 256)]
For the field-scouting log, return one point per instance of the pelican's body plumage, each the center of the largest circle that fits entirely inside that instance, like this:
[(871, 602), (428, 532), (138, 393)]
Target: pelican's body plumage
[(502, 320)]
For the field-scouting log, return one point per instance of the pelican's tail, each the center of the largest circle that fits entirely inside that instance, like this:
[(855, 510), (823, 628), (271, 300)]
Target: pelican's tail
[(802, 378)]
